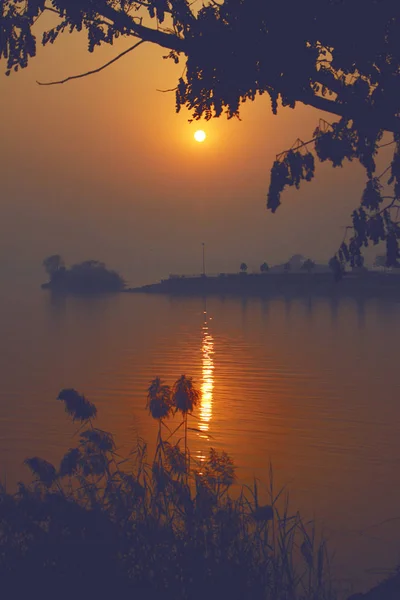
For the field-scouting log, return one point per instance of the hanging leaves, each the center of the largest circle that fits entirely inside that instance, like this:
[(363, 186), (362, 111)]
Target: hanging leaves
[(371, 197), (392, 249), (395, 171), (336, 144), (294, 167)]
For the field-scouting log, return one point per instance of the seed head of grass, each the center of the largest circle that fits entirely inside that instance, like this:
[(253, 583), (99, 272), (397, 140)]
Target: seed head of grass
[(159, 401), (185, 396)]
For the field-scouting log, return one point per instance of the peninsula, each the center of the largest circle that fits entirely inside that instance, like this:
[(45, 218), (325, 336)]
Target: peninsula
[(365, 284)]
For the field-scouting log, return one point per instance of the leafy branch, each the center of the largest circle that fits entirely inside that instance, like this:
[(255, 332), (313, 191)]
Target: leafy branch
[(374, 221)]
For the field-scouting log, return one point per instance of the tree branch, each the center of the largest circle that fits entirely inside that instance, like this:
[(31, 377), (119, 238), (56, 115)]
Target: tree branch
[(352, 110), (166, 91), (387, 122), (384, 172), (94, 70), (294, 147), (156, 36), (387, 144), (392, 204)]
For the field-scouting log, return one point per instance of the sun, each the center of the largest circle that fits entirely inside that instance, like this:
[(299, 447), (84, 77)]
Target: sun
[(200, 135)]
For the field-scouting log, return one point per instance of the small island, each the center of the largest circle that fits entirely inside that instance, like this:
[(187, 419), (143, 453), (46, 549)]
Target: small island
[(87, 277)]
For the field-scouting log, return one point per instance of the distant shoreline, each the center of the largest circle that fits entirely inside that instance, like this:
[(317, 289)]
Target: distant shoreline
[(368, 284)]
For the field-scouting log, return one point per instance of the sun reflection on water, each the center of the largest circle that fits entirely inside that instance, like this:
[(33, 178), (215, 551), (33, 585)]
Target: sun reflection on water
[(207, 384)]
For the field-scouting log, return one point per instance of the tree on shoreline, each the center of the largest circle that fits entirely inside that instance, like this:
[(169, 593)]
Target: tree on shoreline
[(308, 265), (89, 276), (53, 264), (380, 261), (311, 52)]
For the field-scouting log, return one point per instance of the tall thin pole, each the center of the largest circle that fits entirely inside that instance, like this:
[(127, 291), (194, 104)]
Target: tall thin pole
[(204, 259)]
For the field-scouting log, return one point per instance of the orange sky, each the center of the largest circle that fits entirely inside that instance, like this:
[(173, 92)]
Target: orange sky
[(103, 168)]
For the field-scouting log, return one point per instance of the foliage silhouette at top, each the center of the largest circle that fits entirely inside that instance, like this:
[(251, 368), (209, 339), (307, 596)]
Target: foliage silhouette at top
[(90, 276), (339, 56)]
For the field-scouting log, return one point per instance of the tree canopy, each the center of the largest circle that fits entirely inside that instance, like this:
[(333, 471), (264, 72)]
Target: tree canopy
[(308, 265), (52, 264), (339, 56), (90, 276)]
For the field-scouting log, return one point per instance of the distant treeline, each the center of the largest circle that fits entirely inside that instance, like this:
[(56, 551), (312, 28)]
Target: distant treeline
[(90, 276)]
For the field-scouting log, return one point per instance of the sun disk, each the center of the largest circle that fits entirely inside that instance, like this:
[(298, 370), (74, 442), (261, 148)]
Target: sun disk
[(200, 135)]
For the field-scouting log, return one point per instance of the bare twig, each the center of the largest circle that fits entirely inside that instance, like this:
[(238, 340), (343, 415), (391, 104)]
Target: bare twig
[(387, 144), (170, 90), (94, 70), (384, 172), (50, 9), (298, 144), (294, 147)]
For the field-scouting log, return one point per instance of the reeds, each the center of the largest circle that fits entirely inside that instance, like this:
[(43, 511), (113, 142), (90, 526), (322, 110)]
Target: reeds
[(166, 529)]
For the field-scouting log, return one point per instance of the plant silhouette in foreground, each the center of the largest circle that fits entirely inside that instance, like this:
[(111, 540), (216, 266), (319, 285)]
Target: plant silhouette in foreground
[(101, 524)]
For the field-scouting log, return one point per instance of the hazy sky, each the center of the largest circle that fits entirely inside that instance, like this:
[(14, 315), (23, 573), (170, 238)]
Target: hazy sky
[(103, 168)]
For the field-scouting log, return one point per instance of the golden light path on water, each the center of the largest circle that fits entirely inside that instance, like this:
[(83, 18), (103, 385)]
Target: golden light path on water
[(207, 384)]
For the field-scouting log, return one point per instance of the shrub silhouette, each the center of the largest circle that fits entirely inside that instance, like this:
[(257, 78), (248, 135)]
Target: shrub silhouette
[(171, 528)]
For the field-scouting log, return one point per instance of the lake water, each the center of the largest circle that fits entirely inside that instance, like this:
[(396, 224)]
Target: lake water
[(311, 385)]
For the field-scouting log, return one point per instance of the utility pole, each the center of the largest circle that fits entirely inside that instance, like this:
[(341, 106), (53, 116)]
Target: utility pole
[(204, 259)]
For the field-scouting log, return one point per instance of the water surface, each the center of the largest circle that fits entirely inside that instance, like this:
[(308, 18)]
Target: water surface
[(311, 385)]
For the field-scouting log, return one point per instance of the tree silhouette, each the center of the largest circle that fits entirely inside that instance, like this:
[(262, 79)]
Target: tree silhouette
[(308, 265), (311, 52), (380, 261), (264, 267), (52, 264), (90, 276), (336, 267), (243, 268)]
